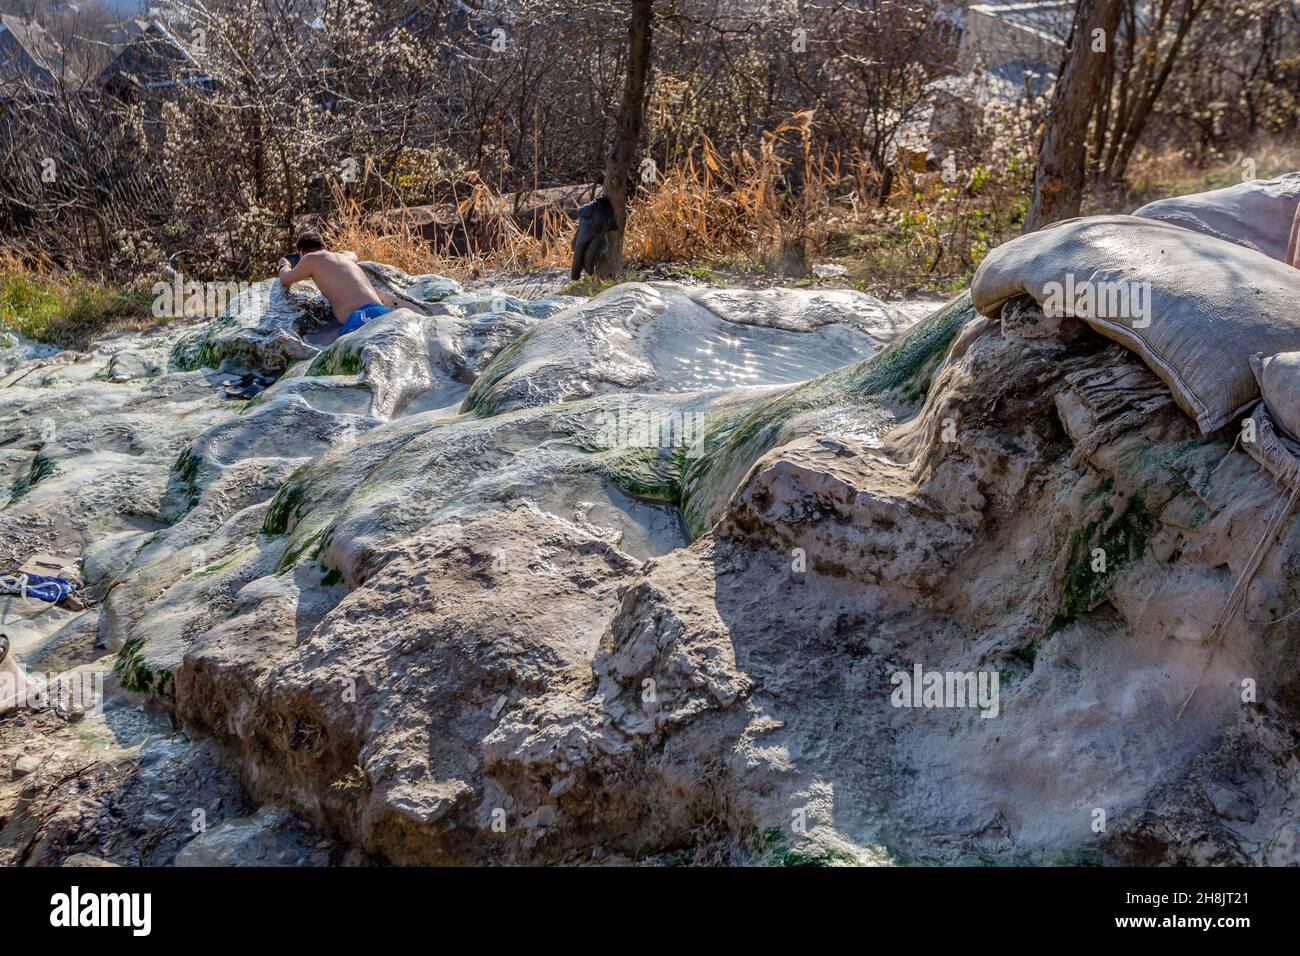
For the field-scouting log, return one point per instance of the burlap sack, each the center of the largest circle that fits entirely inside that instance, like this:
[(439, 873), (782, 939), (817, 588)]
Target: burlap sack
[(1277, 451), (1209, 304), (1257, 214), (1279, 382)]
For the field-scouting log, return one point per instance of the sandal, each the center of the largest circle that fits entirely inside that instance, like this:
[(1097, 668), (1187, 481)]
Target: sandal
[(247, 386)]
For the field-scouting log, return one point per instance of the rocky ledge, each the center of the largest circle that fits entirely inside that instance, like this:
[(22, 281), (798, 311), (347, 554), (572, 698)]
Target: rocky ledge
[(634, 579)]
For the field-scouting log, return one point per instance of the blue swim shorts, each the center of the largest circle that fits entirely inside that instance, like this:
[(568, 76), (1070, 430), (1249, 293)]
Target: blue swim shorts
[(363, 315)]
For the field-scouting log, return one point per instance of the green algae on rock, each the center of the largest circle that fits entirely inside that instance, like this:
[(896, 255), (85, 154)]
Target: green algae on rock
[(550, 561)]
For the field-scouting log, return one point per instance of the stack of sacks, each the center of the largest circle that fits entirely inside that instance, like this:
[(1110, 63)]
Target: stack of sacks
[(1195, 307), (1261, 214), (1276, 420)]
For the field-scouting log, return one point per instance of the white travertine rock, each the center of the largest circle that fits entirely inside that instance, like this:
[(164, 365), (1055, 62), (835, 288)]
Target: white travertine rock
[(449, 590)]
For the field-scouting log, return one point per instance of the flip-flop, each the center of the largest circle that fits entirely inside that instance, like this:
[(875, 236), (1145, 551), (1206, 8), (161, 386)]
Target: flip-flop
[(245, 393), (245, 387)]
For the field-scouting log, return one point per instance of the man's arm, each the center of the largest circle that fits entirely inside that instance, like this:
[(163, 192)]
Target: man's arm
[(291, 274), (1293, 247)]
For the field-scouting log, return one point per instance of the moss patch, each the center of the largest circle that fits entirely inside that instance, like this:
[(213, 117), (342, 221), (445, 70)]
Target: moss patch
[(285, 507), (40, 469), (651, 473), (772, 849), (336, 360), (907, 364), (1122, 535), (137, 676), (590, 285), (186, 472)]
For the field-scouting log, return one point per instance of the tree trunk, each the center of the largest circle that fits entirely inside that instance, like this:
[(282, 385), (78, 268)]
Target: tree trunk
[(886, 185), (1147, 101), (1059, 172), (627, 132)]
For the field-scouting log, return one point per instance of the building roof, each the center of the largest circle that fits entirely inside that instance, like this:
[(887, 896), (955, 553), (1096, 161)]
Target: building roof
[(121, 34), (1005, 84), (153, 59), (995, 34), (1049, 19), (43, 59)]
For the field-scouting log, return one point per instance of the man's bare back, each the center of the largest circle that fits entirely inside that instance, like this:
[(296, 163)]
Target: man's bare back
[(339, 279)]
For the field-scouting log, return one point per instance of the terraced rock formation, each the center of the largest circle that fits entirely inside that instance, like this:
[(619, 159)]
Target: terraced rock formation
[(631, 578)]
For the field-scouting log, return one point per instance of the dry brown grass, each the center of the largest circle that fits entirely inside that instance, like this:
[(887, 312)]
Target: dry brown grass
[(498, 244), (714, 206), (713, 210), (741, 209), (708, 208), (1155, 175), (738, 209)]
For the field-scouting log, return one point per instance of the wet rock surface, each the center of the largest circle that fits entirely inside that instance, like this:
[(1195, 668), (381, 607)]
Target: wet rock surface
[(630, 579)]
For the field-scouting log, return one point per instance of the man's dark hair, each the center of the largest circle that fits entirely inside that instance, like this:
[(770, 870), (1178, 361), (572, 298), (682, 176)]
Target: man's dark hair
[(310, 242)]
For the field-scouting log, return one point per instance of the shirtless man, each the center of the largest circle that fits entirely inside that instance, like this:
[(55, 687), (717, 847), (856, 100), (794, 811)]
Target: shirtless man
[(1293, 247), (354, 300)]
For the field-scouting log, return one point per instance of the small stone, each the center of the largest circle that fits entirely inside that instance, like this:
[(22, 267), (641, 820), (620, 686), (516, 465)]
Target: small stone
[(23, 766), (1284, 847), (86, 859), (1231, 805)]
